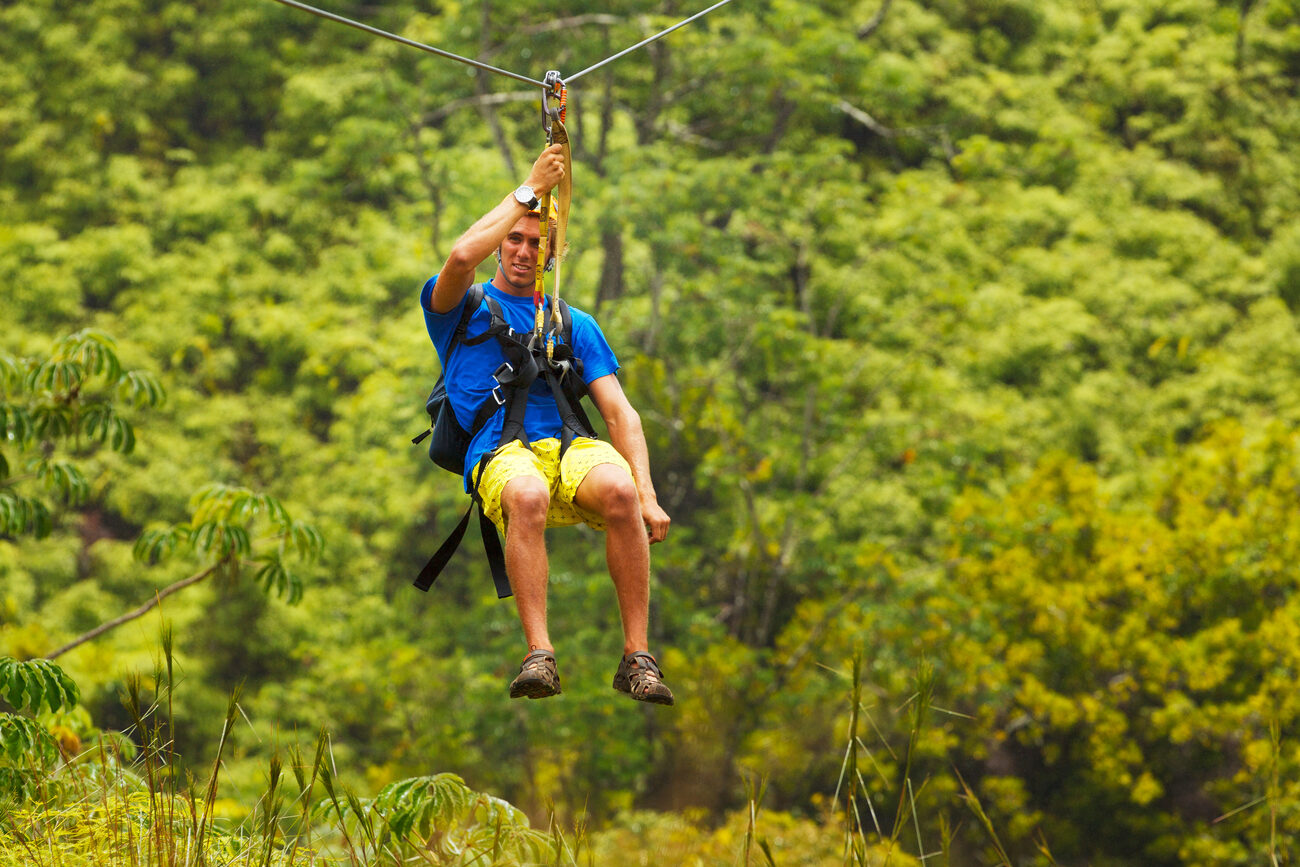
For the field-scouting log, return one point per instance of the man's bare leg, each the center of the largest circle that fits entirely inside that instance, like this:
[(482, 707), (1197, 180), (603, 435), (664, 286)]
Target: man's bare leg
[(524, 502), (610, 492)]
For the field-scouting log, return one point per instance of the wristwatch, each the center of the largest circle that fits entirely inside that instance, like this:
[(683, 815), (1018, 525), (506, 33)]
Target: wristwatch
[(526, 197)]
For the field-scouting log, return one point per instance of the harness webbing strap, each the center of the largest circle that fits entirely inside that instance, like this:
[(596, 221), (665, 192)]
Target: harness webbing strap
[(491, 546), (491, 542)]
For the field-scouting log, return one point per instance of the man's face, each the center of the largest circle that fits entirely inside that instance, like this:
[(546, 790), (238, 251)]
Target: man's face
[(519, 253)]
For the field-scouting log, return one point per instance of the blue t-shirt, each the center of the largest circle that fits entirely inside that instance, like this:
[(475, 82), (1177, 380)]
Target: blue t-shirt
[(469, 374)]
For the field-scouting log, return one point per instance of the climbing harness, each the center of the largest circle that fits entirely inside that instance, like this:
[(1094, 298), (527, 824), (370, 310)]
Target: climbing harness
[(525, 362), (554, 87)]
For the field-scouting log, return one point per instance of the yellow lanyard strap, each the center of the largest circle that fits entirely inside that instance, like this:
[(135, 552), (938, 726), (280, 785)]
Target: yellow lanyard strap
[(557, 202), (563, 195), (539, 284)]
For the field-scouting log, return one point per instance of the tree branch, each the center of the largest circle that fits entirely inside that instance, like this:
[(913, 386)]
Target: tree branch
[(926, 133), (865, 119), (573, 21), (139, 612), (875, 21), (488, 51)]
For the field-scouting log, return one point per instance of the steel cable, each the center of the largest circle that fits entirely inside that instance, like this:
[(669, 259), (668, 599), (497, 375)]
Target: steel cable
[(375, 31), (643, 42)]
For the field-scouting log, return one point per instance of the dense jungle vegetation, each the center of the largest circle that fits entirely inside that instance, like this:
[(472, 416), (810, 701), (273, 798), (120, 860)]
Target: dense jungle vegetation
[(965, 339)]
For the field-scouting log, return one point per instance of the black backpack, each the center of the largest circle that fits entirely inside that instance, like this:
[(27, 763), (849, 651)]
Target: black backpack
[(451, 441)]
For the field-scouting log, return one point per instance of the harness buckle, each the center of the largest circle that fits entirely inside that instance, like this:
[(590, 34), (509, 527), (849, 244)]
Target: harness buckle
[(506, 369)]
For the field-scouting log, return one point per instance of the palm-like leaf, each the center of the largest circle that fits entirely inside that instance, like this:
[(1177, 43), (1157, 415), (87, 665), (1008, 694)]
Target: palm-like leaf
[(21, 515), (232, 524), (15, 423), (423, 804), (64, 478), (35, 684)]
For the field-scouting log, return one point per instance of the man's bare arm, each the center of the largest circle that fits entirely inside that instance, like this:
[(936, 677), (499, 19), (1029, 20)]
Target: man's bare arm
[(487, 233), (628, 437)]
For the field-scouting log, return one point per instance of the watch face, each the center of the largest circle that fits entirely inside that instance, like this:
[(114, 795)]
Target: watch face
[(525, 196)]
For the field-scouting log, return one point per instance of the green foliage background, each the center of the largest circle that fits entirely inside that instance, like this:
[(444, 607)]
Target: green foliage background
[(962, 332)]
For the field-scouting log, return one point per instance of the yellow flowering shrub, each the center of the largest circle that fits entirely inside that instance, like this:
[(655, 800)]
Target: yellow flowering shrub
[(1132, 662)]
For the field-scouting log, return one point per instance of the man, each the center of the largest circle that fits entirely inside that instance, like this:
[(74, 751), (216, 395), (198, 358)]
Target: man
[(524, 490)]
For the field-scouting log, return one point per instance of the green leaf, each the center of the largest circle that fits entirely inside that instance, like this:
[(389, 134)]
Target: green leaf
[(307, 540), (65, 478), (141, 389), (14, 784), (123, 436), (10, 370), (237, 541), (37, 683), (275, 510), (158, 544), (22, 515), (15, 424)]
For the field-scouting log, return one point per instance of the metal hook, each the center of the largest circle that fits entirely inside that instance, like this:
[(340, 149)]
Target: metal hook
[(552, 84)]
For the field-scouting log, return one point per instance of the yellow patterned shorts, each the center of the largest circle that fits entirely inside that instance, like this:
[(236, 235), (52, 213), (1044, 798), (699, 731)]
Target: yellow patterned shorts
[(561, 477)]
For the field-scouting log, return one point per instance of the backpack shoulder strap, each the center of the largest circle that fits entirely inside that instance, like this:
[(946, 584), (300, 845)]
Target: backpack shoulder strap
[(473, 298)]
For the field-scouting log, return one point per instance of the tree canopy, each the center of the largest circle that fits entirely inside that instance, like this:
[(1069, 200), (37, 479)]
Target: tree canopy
[(964, 337)]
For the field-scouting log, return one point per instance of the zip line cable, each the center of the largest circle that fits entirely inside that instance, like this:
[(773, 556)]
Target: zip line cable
[(662, 33), (375, 31)]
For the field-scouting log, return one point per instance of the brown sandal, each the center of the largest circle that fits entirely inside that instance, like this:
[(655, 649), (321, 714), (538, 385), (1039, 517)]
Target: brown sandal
[(639, 676), (538, 676)]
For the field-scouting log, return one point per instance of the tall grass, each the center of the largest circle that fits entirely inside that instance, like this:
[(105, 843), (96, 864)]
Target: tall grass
[(119, 805), (115, 806)]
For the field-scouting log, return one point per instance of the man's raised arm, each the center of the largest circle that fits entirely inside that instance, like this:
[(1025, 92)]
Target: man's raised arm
[(486, 235)]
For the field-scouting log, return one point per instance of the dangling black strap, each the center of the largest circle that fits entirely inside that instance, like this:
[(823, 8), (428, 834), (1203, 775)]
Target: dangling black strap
[(442, 556), (491, 545), (496, 557)]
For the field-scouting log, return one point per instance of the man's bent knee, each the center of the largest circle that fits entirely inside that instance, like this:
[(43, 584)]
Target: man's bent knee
[(526, 499), (616, 494)]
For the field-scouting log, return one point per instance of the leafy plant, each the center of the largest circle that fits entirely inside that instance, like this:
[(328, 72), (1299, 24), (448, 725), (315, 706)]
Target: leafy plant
[(436, 817), (27, 747), (72, 398), (221, 533)]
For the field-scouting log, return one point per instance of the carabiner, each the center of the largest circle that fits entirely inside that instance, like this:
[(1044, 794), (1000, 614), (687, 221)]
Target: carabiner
[(552, 85)]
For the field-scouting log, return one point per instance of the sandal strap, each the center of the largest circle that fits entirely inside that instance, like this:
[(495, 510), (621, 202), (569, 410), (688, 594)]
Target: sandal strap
[(642, 670), (643, 654), (537, 656)]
